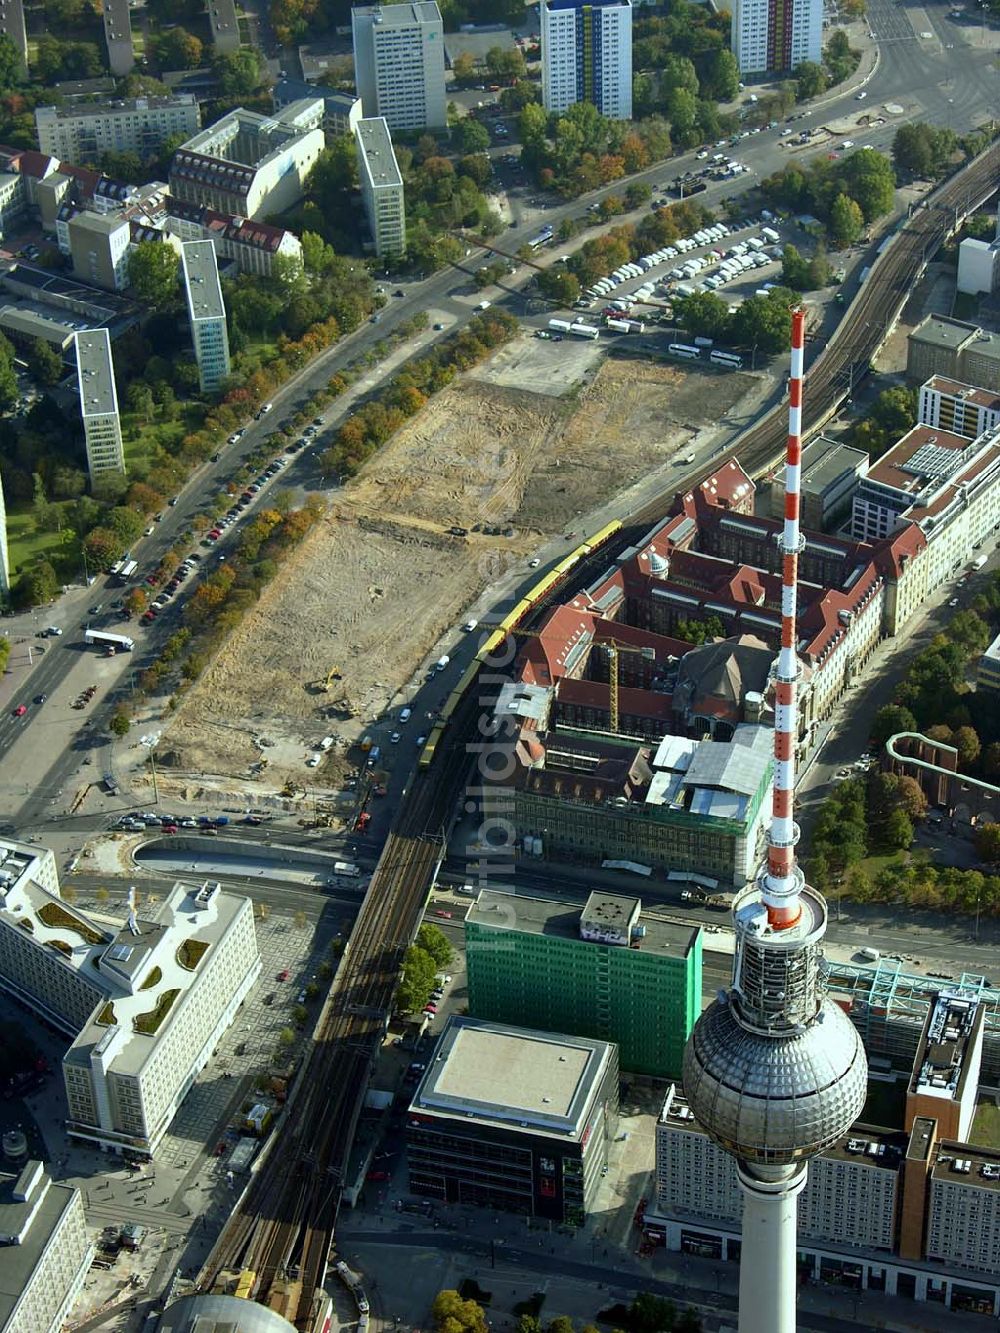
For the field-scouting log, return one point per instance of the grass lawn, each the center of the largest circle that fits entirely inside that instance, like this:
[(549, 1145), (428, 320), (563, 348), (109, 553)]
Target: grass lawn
[(27, 545), (986, 1126), (142, 438)]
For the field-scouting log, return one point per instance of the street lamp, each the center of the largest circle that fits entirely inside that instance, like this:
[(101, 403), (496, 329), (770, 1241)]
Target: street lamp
[(150, 743)]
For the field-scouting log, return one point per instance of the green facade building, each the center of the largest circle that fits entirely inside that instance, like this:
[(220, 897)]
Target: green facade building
[(606, 971)]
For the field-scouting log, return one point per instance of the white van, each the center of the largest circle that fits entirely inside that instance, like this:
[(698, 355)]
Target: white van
[(869, 955)]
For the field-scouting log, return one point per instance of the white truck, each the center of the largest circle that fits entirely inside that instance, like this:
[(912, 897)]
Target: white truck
[(346, 869)]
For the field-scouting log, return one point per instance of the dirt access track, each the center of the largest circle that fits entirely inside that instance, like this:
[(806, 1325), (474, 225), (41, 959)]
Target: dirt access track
[(378, 582)]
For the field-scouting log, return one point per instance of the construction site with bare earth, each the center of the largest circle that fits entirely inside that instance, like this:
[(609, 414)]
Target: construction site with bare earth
[(513, 454)]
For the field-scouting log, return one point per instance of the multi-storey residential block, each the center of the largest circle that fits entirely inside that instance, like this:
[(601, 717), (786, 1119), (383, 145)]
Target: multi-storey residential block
[(82, 132), (174, 983), (954, 349), (381, 187), (248, 165), (206, 312), (45, 1251), (606, 972), (99, 403), (773, 36), (118, 37), (341, 111), (252, 246), (513, 1119), (99, 245), (960, 409), (399, 63), (944, 484), (587, 55), (12, 23)]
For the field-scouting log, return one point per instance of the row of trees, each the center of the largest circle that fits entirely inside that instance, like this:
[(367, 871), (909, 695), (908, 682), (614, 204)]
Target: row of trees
[(429, 955), (371, 425), (760, 322), (927, 887)]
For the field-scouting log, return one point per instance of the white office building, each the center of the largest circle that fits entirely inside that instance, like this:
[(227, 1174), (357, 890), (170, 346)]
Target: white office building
[(146, 1004), (45, 1251), (82, 132), (587, 55), (207, 313), (381, 187), (773, 36), (946, 484), (399, 63), (248, 165), (102, 425)]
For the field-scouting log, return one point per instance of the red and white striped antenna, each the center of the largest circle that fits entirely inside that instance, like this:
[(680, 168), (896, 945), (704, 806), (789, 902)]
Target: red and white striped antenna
[(782, 881)]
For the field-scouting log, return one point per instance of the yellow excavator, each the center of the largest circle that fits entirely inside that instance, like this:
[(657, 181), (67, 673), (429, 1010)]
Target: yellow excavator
[(323, 686)]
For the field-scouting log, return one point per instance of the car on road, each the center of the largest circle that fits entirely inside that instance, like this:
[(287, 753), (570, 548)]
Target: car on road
[(534, 562), (19, 711), (394, 738), (378, 1175), (54, 632), (40, 699), (438, 328), (860, 97)]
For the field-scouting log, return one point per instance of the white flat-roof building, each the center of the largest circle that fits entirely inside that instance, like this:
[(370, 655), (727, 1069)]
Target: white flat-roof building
[(946, 484), (587, 55), (174, 983), (249, 165), (959, 408), (82, 132), (207, 313), (776, 35), (381, 187), (102, 425), (45, 1251), (399, 63), (145, 1004)]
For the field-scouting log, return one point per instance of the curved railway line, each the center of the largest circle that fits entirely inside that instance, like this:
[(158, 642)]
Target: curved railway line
[(279, 1236)]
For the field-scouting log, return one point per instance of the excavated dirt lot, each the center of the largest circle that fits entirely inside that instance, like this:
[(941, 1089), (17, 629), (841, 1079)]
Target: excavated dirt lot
[(380, 580)]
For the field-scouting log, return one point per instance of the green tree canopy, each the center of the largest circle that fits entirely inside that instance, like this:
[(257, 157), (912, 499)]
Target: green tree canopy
[(435, 942), (889, 720), (11, 64), (152, 274), (846, 220)]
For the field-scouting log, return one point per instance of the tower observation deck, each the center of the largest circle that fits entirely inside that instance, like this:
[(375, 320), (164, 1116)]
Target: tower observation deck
[(774, 1070)]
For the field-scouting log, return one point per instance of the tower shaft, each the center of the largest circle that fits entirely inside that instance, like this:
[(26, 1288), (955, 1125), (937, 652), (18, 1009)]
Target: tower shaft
[(768, 1276)]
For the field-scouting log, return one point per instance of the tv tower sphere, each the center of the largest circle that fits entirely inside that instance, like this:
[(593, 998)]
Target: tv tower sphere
[(774, 1071)]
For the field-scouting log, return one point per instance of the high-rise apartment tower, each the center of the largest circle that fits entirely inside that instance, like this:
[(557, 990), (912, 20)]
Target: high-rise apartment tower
[(774, 1070), (772, 36), (587, 55), (399, 63)]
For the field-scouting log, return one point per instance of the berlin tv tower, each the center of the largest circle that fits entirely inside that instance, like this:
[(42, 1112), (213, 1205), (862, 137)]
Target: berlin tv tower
[(774, 1071)]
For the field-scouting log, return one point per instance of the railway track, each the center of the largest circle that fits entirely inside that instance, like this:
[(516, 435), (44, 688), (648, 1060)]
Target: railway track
[(282, 1229)]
